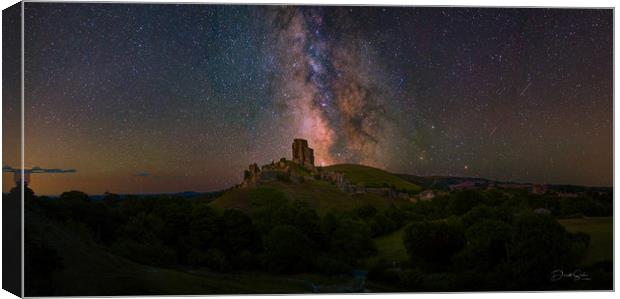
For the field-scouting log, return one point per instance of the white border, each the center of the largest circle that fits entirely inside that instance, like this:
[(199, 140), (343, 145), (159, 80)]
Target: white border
[(496, 3)]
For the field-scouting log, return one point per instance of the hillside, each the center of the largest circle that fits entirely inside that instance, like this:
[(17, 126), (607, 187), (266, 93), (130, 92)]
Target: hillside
[(88, 270), (372, 177), (323, 195)]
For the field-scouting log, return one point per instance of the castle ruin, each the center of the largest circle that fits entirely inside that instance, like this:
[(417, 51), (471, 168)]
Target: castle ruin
[(302, 153), (280, 171)]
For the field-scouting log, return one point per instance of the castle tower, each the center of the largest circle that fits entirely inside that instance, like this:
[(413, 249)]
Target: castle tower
[(302, 154)]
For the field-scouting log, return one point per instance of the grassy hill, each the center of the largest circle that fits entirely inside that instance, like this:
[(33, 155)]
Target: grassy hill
[(323, 195), (320, 195), (89, 270), (372, 177)]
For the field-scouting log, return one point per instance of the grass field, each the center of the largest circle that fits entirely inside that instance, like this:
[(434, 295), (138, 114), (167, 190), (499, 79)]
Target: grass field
[(372, 177), (390, 248), (600, 230)]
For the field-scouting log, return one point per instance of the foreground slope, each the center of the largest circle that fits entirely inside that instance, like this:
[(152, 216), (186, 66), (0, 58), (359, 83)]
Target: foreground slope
[(89, 270)]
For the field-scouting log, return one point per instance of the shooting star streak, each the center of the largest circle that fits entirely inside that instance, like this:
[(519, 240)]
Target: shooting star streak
[(524, 89), (493, 131)]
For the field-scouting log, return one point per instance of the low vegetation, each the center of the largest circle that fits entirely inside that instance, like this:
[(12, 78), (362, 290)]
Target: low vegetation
[(285, 237)]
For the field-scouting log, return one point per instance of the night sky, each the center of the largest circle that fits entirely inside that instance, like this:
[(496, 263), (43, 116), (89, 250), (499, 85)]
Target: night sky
[(168, 98)]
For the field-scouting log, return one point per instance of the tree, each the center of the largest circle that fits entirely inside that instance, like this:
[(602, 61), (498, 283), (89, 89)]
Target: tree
[(538, 245), (140, 240), (483, 212), (204, 227), (463, 201), (486, 243), (581, 206), (287, 250), (74, 196), (380, 224), (433, 243), (238, 235), (350, 239), (366, 211), (272, 209)]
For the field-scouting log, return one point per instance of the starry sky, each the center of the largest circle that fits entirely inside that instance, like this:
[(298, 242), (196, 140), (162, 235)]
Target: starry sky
[(167, 98)]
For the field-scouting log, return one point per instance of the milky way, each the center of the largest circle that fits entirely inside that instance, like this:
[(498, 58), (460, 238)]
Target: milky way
[(142, 98), (328, 87)]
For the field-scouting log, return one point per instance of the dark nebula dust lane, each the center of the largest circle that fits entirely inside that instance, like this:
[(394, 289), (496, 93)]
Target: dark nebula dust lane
[(189, 95), (332, 85)]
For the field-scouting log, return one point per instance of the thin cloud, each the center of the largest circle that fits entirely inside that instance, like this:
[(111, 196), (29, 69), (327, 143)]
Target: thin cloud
[(38, 169)]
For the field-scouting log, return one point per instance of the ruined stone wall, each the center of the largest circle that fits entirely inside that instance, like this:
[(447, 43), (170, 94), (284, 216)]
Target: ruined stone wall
[(302, 153)]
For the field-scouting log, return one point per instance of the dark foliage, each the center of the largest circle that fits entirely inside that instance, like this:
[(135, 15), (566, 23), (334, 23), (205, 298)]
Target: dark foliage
[(433, 244), (468, 240)]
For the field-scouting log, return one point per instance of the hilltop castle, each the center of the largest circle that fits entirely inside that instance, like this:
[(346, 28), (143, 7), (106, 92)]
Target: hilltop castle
[(303, 156), (281, 170)]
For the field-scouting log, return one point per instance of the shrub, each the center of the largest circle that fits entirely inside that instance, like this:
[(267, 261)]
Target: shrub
[(539, 244), (287, 250), (433, 243), (463, 201), (331, 265)]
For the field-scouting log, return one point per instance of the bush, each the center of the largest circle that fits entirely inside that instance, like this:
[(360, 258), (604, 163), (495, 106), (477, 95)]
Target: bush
[(212, 258), (366, 212), (329, 265), (287, 250), (237, 233), (580, 243), (539, 245), (463, 201), (154, 254), (486, 244), (280, 211), (433, 243), (581, 205), (413, 279), (350, 239), (381, 225)]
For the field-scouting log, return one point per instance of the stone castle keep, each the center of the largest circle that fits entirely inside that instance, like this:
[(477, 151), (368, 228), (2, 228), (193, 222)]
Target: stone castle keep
[(303, 155)]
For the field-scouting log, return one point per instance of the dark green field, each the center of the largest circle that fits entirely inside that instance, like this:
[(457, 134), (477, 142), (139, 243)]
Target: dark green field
[(390, 247), (600, 230)]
